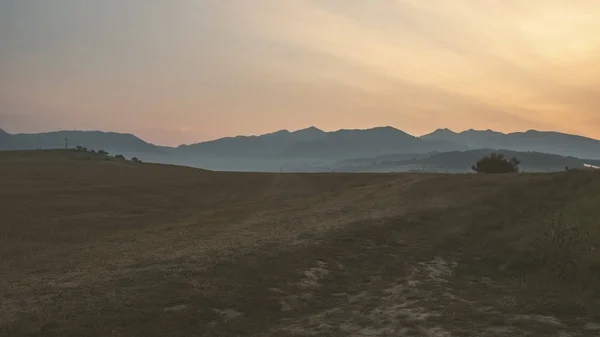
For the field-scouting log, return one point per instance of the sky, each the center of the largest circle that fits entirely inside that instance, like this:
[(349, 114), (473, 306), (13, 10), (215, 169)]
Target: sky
[(182, 71)]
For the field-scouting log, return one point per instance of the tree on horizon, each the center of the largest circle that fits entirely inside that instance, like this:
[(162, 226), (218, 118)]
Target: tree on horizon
[(496, 163)]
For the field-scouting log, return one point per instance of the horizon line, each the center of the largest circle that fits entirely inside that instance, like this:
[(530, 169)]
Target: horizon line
[(289, 131)]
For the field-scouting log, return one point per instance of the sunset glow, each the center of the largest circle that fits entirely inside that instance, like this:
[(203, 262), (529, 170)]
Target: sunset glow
[(184, 71)]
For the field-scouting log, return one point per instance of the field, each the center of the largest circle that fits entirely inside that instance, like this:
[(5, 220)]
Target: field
[(91, 247)]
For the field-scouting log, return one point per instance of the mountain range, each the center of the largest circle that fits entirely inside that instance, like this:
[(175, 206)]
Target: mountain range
[(110, 141), (532, 140), (310, 147)]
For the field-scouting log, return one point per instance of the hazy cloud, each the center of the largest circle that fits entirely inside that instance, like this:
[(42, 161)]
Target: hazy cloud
[(204, 69)]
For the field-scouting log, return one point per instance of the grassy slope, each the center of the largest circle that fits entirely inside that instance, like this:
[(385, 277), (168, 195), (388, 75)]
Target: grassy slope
[(110, 248)]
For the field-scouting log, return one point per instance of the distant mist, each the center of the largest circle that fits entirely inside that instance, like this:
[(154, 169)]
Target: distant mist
[(377, 149)]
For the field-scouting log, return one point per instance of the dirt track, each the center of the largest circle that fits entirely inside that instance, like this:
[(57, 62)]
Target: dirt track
[(116, 249)]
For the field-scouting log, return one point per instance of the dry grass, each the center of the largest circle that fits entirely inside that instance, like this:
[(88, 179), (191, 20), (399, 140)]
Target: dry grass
[(90, 247)]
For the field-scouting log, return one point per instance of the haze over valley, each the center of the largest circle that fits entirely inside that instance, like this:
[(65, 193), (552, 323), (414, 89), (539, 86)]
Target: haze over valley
[(379, 149)]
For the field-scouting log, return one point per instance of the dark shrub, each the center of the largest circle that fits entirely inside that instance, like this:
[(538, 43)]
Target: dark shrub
[(496, 163)]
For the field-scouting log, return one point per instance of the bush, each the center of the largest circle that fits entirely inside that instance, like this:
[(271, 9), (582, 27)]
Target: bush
[(496, 163), (136, 160), (120, 156), (102, 152)]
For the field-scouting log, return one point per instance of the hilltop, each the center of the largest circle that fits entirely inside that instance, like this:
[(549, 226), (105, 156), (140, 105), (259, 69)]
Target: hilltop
[(531, 140), (309, 149), (97, 248)]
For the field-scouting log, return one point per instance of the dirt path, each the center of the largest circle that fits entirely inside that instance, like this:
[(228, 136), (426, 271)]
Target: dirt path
[(371, 283), (166, 251)]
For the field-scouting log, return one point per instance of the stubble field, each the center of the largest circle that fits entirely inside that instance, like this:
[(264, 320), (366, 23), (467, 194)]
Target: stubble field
[(90, 247)]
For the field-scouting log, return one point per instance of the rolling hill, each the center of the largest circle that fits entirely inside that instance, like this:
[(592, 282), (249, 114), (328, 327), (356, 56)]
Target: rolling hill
[(109, 141), (9, 142), (112, 248), (460, 162)]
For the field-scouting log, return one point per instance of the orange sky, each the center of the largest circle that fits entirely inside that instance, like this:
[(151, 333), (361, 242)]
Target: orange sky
[(182, 71)]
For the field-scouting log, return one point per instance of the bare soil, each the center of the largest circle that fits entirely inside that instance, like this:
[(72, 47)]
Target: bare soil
[(95, 247)]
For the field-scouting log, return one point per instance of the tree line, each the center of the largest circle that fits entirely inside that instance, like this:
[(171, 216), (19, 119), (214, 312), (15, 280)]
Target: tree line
[(105, 153)]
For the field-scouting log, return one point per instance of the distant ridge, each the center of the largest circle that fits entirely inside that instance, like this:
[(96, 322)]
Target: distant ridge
[(530, 140), (440, 133), (461, 161), (266, 145), (308, 146), (342, 143), (109, 141)]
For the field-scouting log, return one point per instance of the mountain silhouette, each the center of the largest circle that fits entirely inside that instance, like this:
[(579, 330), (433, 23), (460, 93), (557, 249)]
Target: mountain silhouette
[(471, 138), (532, 140), (309, 147), (10, 142), (108, 141), (267, 145), (356, 143)]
